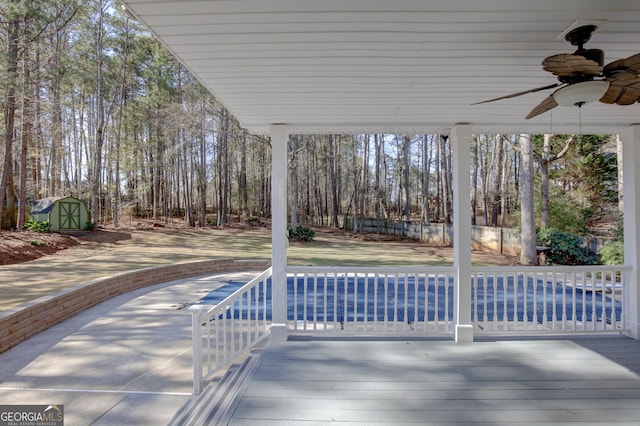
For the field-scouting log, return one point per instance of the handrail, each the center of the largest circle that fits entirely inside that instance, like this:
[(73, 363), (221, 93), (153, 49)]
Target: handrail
[(549, 299), (224, 331)]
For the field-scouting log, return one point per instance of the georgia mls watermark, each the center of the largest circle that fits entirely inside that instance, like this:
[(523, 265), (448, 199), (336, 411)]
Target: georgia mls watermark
[(31, 415)]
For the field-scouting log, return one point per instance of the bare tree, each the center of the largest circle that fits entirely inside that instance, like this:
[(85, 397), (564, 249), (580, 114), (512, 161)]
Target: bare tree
[(527, 219), (406, 155), (545, 159)]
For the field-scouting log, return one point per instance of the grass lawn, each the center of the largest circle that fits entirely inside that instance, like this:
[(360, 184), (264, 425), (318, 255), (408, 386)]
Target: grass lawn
[(23, 282)]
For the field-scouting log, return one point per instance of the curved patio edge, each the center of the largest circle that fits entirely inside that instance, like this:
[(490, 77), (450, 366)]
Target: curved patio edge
[(22, 322)]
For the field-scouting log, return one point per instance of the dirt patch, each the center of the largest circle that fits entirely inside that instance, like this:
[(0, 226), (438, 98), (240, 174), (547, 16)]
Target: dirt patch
[(23, 246)]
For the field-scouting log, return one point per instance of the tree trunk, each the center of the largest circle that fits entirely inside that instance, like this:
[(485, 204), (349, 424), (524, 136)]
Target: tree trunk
[(445, 159), (497, 193), (544, 182), (27, 126), (201, 173), (9, 119), (333, 180), (406, 151), (503, 191), (223, 170), (293, 170), (55, 182), (100, 125), (426, 174), (123, 95), (474, 180), (364, 183), (620, 173), (527, 218), (242, 178)]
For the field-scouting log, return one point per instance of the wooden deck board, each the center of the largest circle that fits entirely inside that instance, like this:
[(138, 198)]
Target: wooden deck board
[(586, 380)]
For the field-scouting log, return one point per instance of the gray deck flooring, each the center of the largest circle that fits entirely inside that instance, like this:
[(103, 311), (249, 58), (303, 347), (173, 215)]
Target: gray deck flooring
[(582, 380)]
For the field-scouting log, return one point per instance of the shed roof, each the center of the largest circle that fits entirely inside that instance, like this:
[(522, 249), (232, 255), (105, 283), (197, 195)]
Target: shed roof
[(45, 205)]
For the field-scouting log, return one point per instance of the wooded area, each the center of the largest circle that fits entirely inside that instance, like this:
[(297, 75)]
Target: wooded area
[(95, 108)]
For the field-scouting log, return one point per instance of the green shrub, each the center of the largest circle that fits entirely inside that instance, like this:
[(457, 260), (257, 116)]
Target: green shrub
[(612, 253), (89, 226), (34, 225), (568, 216), (565, 248), (302, 233), (35, 242)]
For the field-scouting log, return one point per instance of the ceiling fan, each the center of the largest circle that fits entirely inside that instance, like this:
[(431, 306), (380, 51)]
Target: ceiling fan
[(583, 77)]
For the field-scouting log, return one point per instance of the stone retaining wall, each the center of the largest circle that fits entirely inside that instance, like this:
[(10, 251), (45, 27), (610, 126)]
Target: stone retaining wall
[(24, 321)]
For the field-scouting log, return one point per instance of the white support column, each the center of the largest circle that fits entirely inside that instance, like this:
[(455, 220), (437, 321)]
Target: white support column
[(461, 145), (631, 197), (279, 142)]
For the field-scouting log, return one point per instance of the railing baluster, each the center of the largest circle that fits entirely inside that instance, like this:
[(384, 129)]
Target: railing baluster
[(544, 298), (416, 301), (353, 308), (445, 320), (365, 317), (603, 300), (376, 305), (573, 301), (612, 283), (485, 294)]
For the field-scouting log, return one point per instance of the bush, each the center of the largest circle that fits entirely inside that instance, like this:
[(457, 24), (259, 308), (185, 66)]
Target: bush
[(302, 233), (568, 216), (612, 253), (565, 248), (34, 225), (89, 226)]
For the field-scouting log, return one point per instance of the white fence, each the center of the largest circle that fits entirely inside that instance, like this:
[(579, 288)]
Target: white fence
[(400, 301)]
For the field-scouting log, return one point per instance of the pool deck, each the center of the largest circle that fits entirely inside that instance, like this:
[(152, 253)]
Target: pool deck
[(128, 361)]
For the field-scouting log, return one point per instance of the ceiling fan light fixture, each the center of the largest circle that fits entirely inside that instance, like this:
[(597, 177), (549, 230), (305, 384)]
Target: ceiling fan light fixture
[(581, 93)]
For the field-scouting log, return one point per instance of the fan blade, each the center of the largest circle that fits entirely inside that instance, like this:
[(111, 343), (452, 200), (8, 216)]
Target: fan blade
[(632, 64), (565, 64), (613, 66), (622, 92), (524, 92), (625, 75), (547, 104)]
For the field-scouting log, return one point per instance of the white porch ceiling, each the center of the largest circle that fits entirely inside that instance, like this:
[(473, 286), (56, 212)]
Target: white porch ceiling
[(394, 66)]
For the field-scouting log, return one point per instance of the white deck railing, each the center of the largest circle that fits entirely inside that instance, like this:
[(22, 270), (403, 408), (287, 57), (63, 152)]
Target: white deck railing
[(370, 300), (548, 299), (223, 332), (409, 301)]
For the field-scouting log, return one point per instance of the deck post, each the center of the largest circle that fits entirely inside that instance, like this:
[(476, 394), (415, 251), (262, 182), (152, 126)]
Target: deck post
[(460, 136), (196, 344), (279, 241), (631, 210)]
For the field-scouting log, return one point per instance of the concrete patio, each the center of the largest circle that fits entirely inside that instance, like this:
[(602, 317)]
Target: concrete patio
[(126, 361)]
